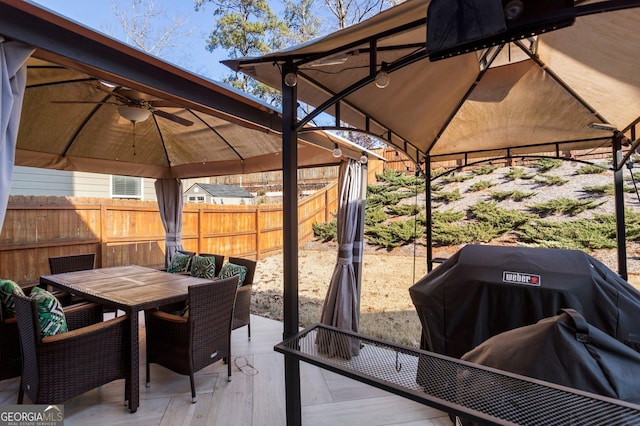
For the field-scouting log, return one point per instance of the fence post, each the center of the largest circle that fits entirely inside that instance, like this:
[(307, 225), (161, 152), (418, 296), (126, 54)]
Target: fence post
[(326, 205), (200, 230), (104, 236), (258, 231)]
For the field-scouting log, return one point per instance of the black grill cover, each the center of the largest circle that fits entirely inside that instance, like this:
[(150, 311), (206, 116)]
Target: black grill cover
[(483, 290), (565, 350)]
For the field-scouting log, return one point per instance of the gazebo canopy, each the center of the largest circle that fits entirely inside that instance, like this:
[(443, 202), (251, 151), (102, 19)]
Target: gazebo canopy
[(77, 80), (537, 94)]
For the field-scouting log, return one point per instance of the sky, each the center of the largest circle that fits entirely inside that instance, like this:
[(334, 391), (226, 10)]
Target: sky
[(192, 55)]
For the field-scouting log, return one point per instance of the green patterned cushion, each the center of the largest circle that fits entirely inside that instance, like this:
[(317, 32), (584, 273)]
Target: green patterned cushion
[(203, 267), (6, 297), (179, 263), (231, 269), (50, 313)]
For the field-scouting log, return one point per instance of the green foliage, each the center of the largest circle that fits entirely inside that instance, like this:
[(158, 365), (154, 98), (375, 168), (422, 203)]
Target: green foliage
[(491, 222), (456, 177), (546, 164), (246, 28), (394, 234), (447, 216), (387, 198), (633, 176), (326, 231), (484, 170), (375, 189), (518, 173), (374, 215), (514, 195), (590, 169), (480, 185), (447, 196), (551, 180), (564, 205), (404, 210), (398, 179), (437, 172), (580, 234), (500, 219), (607, 189)]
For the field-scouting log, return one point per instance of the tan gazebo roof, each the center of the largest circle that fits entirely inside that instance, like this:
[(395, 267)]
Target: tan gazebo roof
[(537, 95)]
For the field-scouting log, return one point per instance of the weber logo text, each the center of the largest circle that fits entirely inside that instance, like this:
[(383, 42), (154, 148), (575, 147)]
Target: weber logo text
[(520, 278)]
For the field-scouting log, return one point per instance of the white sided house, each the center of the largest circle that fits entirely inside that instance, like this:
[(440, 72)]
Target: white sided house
[(210, 193), (31, 181)]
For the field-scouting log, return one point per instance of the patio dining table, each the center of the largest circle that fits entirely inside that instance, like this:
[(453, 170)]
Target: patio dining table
[(130, 289)]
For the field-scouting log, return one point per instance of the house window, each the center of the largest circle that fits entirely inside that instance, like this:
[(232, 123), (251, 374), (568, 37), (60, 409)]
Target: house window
[(126, 187)]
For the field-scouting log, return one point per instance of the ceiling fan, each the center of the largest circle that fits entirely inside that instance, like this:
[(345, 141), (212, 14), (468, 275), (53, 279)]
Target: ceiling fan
[(134, 106)]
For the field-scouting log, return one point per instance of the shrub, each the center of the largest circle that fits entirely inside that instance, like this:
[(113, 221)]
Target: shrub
[(518, 173), (565, 205), (326, 231), (373, 216), (484, 170), (546, 164), (514, 195), (607, 189), (394, 234), (447, 216), (590, 169), (404, 210), (447, 197), (456, 177), (550, 180), (480, 185)]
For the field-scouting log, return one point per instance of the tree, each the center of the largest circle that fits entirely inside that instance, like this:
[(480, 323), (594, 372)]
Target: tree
[(139, 21), (246, 28), (303, 23), (349, 12)]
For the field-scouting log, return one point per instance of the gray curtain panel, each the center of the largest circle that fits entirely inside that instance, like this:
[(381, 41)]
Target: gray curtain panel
[(169, 194)]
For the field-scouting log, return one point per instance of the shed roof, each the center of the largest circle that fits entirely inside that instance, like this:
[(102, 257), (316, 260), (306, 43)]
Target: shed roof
[(219, 190)]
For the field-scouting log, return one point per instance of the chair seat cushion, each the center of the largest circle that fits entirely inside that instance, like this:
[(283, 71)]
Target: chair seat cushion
[(203, 267), (6, 298), (50, 313), (231, 270), (179, 263)]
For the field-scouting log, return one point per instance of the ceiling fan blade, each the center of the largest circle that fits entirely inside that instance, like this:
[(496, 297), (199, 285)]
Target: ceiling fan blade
[(172, 117), (85, 102)]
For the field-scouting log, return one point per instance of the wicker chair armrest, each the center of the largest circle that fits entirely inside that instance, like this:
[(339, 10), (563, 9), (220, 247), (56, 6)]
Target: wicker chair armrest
[(166, 316), (8, 321), (83, 314), (99, 328), (243, 295)]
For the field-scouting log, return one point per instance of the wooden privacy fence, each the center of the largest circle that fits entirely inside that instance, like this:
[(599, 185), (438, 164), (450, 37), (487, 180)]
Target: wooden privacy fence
[(123, 232)]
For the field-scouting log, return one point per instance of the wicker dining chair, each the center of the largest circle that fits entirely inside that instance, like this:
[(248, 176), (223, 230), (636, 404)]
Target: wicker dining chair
[(219, 260), (242, 310), (57, 368), (187, 344), (72, 263), (77, 315)]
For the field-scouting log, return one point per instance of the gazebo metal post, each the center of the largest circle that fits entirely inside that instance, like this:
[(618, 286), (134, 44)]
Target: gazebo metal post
[(358, 247), (290, 243), (619, 204), (427, 174)]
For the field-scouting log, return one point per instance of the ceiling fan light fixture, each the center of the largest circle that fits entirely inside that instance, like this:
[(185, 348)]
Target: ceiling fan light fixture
[(134, 113)]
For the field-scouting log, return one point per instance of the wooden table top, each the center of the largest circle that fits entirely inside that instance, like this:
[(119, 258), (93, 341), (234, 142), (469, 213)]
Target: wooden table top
[(129, 286)]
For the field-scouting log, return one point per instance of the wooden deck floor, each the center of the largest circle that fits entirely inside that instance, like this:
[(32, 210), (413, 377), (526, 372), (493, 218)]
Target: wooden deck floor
[(254, 397)]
